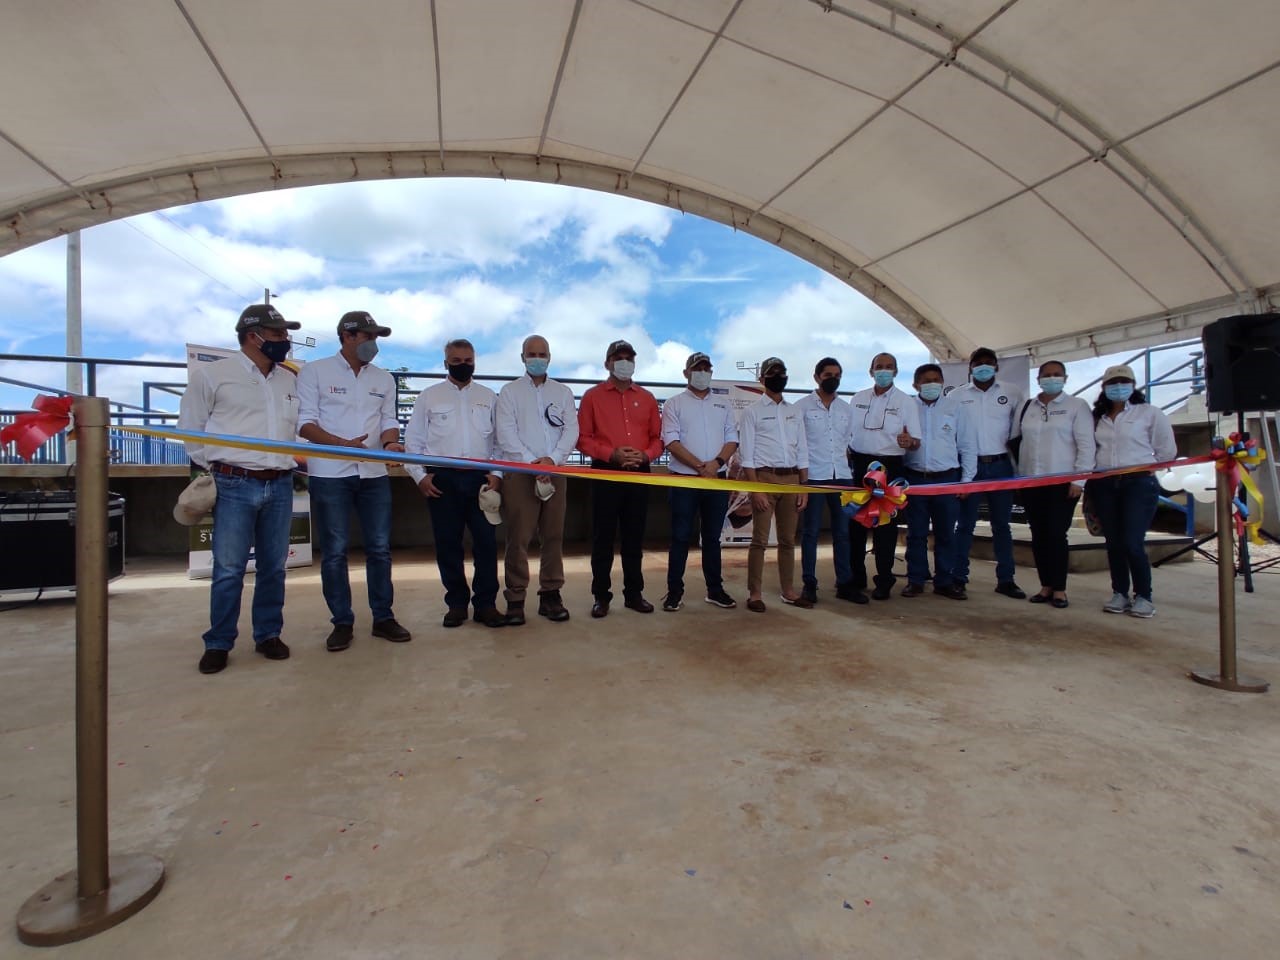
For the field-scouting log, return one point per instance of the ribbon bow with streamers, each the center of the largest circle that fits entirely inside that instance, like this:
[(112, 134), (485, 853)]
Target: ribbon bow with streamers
[(29, 431), (878, 500), (1230, 456)]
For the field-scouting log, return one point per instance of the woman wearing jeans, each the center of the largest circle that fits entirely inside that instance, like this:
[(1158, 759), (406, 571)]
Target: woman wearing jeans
[(1057, 437), (1128, 431)]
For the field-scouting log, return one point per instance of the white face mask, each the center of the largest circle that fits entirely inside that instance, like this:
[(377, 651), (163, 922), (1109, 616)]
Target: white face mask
[(700, 379), (624, 369)]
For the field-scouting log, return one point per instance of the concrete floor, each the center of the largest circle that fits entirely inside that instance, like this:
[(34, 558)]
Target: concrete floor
[(918, 778)]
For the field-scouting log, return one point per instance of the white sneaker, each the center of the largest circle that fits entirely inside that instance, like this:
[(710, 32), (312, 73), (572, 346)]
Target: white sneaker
[(1118, 603), (1142, 607)]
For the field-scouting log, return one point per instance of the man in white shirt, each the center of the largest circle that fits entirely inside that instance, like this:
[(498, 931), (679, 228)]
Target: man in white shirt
[(886, 423), (946, 454), (987, 408), (347, 401), (826, 428), (773, 450), (250, 394), (456, 418), (700, 434), (537, 422)]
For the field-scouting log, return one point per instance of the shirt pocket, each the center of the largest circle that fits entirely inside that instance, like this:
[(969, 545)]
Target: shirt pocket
[(442, 423), (482, 419)]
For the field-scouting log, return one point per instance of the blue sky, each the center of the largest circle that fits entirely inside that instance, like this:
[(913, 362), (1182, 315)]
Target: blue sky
[(486, 259)]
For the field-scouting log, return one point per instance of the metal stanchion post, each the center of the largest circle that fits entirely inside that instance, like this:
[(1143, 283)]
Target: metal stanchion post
[(1225, 678), (102, 891)]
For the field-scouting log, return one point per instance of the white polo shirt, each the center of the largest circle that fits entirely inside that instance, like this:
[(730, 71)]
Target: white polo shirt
[(826, 432), (1140, 433), (703, 425), (347, 404), (771, 435), (990, 413), (878, 419), (232, 396), (451, 421), (527, 418), (945, 443), (1057, 437)]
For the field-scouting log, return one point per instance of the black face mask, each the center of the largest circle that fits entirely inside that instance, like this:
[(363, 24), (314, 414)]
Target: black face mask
[(829, 385), (462, 371), (776, 384), (277, 351)]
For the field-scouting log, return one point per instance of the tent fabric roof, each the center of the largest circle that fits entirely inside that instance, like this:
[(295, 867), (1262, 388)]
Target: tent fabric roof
[(1061, 177)]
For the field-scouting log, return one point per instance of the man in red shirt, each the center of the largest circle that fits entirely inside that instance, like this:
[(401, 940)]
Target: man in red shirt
[(619, 428)]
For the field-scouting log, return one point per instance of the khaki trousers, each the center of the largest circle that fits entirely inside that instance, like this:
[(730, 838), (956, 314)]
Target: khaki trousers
[(783, 507), (524, 514)]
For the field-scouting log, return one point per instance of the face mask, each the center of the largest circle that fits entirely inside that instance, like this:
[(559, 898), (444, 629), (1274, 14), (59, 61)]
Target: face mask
[(700, 379), (277, 351), (1052, 385), (366, 350), (829, 385), (883, 378), (537, 366), (624, 369), (776, 383), (983, 373), (462, 371), (1118, 392), (930, 391)]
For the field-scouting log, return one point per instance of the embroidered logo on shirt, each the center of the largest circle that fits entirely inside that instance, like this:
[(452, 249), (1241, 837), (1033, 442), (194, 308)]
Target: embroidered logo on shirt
[(1002, 399), (375, 393), (338, 390)]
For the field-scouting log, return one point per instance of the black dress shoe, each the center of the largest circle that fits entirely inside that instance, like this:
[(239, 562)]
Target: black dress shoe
[(810, 594), (273, 648), (1059, 602), (515, 615), (1040, 598), (845, 591), (490, 617), (456, 617), (600, 609), (339, 638), (639, 605), (856, 596), (552, 607), (213, 661), (881, 593), (389, 629), (1011, 589), (952, 591), (912, 590)]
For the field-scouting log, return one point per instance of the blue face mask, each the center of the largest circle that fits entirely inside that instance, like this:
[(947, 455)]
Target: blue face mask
[(930, 391), (537, 366), (883, 378), (1118, 392), (277, 351), (1052, 385), (983, 373)]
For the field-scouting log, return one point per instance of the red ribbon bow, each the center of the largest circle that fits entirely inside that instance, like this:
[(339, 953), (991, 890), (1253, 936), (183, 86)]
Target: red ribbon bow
[(30, 431)]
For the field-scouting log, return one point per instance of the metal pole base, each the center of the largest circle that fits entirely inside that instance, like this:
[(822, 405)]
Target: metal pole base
[(1238, 685), (55, 914)]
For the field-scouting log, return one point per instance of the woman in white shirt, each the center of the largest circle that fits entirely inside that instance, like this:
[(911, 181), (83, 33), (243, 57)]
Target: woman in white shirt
[(1057, 437), (1128, 431)]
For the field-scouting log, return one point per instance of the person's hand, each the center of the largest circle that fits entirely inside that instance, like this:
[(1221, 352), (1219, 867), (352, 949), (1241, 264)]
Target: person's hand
[(495, 481), (395, 446), (428, 488), (760, 501), (547, 461), (1074, 491), (356, 441), (905, 440), (709, 469), (802, 500)]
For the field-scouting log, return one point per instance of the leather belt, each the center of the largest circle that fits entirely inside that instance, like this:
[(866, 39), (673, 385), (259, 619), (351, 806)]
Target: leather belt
[(930, 474), (993, 458), (228, 470), (779, 471)]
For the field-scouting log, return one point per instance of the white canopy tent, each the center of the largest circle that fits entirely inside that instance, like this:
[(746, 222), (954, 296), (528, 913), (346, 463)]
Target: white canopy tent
[(1061, 176)]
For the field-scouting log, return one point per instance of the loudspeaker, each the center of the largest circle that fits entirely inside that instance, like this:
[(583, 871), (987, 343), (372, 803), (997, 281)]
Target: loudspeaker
[(1242, 363), (38, 541)]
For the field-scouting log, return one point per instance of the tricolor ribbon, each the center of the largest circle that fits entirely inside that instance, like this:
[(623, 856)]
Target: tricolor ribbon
[(30, 431), (1236, 459), (878, 500)]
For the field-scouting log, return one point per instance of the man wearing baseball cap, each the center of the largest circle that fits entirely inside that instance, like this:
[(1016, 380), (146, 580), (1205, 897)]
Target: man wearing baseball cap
[(347, 401), (250, 394), (701, 435), (619, 429)]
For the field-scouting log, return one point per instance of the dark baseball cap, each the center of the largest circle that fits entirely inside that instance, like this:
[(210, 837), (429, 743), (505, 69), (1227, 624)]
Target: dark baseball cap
[(697, 358), (263, 316), (358, 321), (619, 346), (771, 363)]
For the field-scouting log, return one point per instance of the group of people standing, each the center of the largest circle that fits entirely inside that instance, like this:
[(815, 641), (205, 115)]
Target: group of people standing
[(926, 438)]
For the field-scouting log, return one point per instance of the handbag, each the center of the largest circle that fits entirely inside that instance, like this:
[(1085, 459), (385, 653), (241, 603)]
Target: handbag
[(1014, 444), (1089, 510)]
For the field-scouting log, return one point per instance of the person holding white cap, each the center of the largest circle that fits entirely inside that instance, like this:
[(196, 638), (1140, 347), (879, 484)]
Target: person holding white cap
[(1128, 431), (537, 422), (348, 401), (457, 418)]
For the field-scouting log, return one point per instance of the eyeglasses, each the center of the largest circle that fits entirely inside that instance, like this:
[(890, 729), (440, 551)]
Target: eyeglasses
[(554, 419), (866, 417)]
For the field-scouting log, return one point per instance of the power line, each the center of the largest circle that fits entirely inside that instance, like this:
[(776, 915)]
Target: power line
[(164, 216), (194, 266)]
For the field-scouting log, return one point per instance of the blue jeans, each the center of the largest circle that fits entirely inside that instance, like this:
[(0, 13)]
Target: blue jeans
[(332, 499), (456, 510), (709, 508), (811, 527), (940, 511), (1000, 507), (1126, 506), (248, 514)]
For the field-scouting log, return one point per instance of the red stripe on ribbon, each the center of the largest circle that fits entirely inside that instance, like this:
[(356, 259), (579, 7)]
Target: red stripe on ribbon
[(30, 431)]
